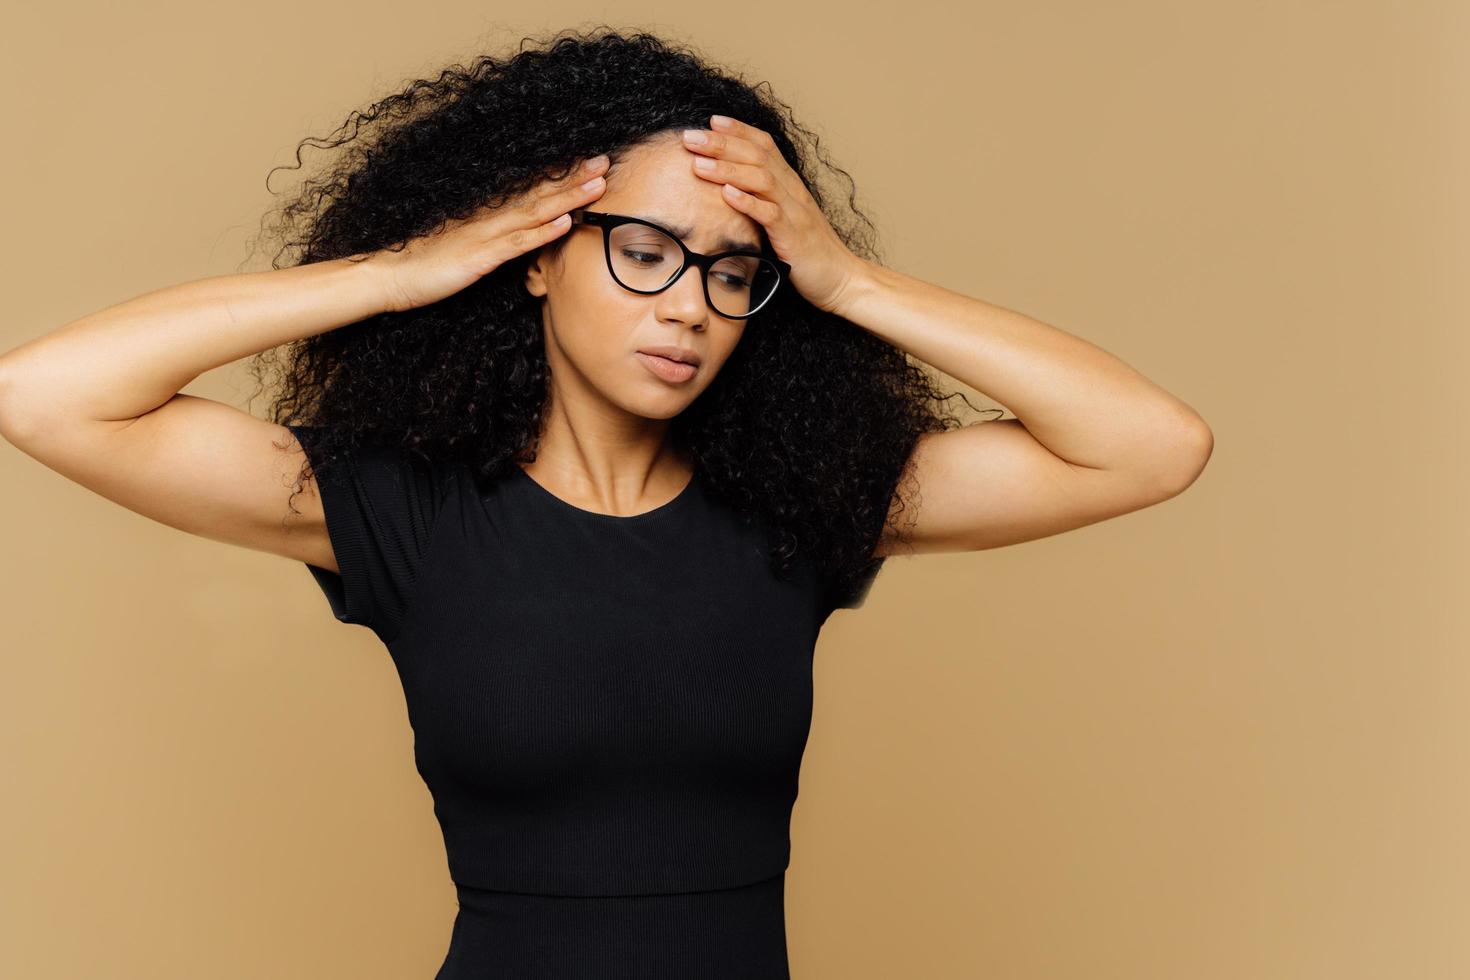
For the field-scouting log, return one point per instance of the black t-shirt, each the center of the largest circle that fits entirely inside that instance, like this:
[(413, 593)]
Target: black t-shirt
[(601, 705)]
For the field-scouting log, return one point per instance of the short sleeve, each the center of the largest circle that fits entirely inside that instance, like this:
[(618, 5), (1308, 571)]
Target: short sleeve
[(380, 506), (854, 593), (851, 591)]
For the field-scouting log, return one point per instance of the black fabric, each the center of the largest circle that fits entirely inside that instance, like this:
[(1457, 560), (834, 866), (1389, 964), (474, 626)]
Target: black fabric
[(729, 934), (855, 595), (383, 504), (853, 592), (603, 707)]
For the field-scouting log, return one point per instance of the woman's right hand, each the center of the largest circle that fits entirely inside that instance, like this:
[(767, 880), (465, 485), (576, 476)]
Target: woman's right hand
[(434, 266)]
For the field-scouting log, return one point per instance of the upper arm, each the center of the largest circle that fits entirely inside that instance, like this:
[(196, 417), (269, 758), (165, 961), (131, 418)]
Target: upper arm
[(199, 466), (993, 483)]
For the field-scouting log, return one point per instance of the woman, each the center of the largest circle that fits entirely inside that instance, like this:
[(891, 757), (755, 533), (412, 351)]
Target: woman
[(596, 412)]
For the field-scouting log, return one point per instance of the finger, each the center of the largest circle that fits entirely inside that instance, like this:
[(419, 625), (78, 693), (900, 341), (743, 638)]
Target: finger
[(723, 146), (753, 178), (540, 210), (552, 187), (764, 212), (728, 159), (758, 137), (589, 167), (522, 240), (589, 176)]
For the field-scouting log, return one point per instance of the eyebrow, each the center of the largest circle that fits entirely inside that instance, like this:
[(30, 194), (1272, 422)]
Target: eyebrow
[(684, 231)]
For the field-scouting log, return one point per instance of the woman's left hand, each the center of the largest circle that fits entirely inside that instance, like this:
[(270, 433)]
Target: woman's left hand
[(758, 182)]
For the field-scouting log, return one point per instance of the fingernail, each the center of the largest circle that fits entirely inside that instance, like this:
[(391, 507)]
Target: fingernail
[(595, 162), (694, 136)]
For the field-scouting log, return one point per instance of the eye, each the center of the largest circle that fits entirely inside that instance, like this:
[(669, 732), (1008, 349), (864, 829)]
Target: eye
[(739, 282), (647, 258)]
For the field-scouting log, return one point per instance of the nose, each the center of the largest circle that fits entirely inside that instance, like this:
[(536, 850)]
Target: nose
[(683, 300)]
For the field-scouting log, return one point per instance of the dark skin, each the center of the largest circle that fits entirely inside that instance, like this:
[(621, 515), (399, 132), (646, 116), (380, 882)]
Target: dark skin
[(1092, 438), (99, 399), (604, 445)]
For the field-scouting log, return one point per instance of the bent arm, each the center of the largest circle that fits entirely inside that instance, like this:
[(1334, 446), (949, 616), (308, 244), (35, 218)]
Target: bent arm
[(98, 401), (1092, 438), (126, 360)]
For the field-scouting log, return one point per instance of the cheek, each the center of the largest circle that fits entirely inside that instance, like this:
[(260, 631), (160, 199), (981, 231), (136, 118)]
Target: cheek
[(725, 350), (594, 329), (582, 288)]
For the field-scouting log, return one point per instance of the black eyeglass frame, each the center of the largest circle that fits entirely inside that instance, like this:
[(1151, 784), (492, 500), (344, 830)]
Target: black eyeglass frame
[(607, 222)]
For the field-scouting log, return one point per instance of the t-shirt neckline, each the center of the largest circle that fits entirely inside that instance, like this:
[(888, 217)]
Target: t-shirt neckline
[(662, 510)]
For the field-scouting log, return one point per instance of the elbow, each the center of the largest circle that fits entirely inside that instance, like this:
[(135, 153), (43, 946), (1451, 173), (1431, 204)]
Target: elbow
[(14, 426), (5, 398), (1188, 454)]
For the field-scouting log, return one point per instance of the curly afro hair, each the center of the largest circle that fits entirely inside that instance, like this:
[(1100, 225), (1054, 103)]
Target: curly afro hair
[(810, 422)]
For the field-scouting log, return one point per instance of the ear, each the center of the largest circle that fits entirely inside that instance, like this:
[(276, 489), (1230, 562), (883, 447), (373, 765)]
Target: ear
[(536, 269)]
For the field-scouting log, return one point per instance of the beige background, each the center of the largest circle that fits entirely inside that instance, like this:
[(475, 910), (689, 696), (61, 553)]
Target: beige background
[(1224, 737)]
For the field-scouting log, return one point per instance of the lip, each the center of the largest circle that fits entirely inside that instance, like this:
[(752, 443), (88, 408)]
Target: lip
[(681, 354), (667, 369)]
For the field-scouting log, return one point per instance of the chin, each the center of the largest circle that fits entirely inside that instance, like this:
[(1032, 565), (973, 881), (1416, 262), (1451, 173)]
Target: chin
[(645, 401), (662, 408)]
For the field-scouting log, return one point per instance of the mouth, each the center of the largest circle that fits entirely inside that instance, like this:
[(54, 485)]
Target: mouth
[(667, 368), (682, 355)]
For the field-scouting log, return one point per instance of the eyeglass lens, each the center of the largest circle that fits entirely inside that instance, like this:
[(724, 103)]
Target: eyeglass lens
[(646, 259)]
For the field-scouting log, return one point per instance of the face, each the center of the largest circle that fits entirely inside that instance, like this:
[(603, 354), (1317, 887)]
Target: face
[(594, 327)]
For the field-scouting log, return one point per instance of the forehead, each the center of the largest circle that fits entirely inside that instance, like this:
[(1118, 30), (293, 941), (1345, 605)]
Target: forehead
[(654, 181)]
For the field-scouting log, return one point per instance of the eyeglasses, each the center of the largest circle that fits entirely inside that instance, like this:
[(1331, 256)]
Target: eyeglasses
[(644, 258)]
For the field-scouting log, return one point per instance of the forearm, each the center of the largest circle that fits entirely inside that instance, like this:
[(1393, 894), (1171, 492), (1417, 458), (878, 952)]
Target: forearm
[(1081, 402), (128, 359)]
